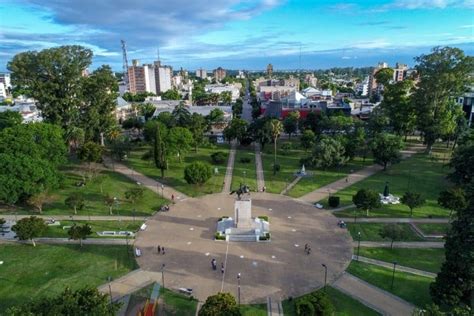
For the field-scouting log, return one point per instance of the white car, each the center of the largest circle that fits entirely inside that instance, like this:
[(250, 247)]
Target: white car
[(318, 205)]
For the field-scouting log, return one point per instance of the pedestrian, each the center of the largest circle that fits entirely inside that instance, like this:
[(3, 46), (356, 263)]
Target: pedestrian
[(159, 249), (305, 247), (172, 197), (222, 267), (347, 179), (162, 250), (308, 251), (214, 264)]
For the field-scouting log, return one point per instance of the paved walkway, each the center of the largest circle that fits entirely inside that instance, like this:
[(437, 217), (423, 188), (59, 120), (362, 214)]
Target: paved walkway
[(77, 217), (274, 307), (372, 296), (401, 220), (422, 234), (291, 185), (390, 265), (323, 192), (401, 244), (230, 167), (63, 241), (130, 283), (259, 166), (149, 183)]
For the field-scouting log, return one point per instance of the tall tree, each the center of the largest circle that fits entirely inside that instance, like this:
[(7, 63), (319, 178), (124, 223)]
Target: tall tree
[(444, 75), (197, 126), (386, 149), (276, 128), (53, 77), (412, 200), (29, 228), (91, 153), (181, 115), (179, 141), (328, 152), (290, 123), (160, 152), (384, 76), (75, 201), (9, 119), (79, 232), (366, 199), (454, 199), (237, 129), (393, 232), (308, 139)]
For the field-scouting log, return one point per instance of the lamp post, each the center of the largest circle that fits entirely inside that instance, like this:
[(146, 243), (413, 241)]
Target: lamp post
[(393, 274), (163, 275), (358, 245), (355, 215), (245, 173), (110, 290), (162, 191), (325, 275), (238, 287)]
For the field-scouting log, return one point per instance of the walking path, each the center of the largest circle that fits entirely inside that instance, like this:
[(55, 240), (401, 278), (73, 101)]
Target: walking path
[(372, 296), (64, 241), (401, 244), (390, 265), (291, 185), (422, 234), (322, 192), (77, 217), (274, 307), (259, 166), (130, 283), (400, 220), (230, 167), (149, 183)]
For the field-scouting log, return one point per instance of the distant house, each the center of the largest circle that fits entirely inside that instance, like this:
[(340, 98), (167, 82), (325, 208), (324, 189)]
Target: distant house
[(27, 108)]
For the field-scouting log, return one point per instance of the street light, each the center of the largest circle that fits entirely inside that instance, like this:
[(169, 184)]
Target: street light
[(238, 287), (110, 290), (162, 191), (355, 215), (163, 275), (325, 275), (358, 245), (393, 274)]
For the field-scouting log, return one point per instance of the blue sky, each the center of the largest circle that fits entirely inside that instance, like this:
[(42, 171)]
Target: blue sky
[(239, 34)]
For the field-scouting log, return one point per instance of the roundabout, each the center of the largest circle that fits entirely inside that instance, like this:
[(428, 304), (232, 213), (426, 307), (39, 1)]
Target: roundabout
[(279, 268)]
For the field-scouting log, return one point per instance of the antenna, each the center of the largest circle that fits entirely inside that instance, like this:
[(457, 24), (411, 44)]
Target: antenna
[(125, 63)]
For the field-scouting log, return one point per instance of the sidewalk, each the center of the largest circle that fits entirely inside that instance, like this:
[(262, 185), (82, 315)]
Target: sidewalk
[(400, 220), (259, 167), (291, 185), (230, 168), (323, 192), (372, 296), (400, 244), (66, 241), (390, 266), (149, 183), (78, 217)]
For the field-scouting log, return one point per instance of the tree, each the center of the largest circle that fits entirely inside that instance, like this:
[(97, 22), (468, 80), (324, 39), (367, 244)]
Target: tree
[(329, 152), (462, 162), (9, 119), (86, 301), (80, 233), (444, 75), (38, 200), (226, 97), (290, 123), (215, 117), (181, 115), (378, 122), (386, 149), (53, 77), (392, 232), (260, 131), (312, 122), (384, 76), (110, 202), (171, 94), (197, 126), (412, 200), (315, 303), (453, 199), (91, 153), (75, 137), (179, 141), (29, 228), (197, 173), (75, 201), (221, 304), (366, 199), (308, 139), (147, 110), (134, 194), (99, 99), (276, 128), (160, 152), (237, 129)]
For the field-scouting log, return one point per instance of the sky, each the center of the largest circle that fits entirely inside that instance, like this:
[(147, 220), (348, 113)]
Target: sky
[(239, 34)]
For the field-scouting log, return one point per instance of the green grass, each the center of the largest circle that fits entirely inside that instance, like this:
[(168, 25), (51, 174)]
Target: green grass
[(433, 229), (370, 232), (178, 304), (419, 173), (426, 259), (174, 176), (250, 177), (410, 287), (33, 272), (97, 226), (253, 310), (344, 305)]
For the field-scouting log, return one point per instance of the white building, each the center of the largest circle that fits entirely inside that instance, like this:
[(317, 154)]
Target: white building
[(201, 73), (363, 87), (163, 82), (6, 80), (150, 79), (27, 108), (3, 91), (219, 88)]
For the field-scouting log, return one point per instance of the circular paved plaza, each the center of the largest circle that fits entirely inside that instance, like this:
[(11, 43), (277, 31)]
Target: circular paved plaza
[(279, 268)]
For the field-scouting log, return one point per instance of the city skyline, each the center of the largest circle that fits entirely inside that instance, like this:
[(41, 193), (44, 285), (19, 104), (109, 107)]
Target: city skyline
[(240, 34)]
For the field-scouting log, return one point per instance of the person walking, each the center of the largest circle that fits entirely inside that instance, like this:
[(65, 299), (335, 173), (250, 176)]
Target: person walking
[(162, 250), (159, 249), (222, 267), (308, 251), (172, 197)]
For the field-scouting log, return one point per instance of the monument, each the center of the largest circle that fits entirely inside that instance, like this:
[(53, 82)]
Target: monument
[(243, 227)]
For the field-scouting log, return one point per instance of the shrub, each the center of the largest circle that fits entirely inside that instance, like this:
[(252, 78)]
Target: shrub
[(264, 217), (334, 201), (267, 236), (245, 160), (218, 157), (218, 236), (315, 303), (197, 173), (286, 147), (276, 167)]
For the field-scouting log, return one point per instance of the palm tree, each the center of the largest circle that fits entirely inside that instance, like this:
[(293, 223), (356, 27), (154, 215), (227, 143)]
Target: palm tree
[(276, 129), (74, 137)]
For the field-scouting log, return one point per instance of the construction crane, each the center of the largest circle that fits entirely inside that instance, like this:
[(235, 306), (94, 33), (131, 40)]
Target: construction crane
[(125, 63)]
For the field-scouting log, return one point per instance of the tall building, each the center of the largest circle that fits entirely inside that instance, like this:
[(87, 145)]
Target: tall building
[(219, 73), (163, 77), (136, 77), (153, 78), (5, 79), (150, 78), (400, 72), (201, 73), (269, 70)]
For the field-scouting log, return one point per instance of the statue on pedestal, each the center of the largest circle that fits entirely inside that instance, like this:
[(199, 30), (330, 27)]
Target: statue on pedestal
[(243, 189)]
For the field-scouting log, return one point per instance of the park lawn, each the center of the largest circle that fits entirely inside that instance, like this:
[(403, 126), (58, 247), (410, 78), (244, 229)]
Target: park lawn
[(433, 229), (32, 272), (410, 287), (426, 259), (370, 232), (253, 310), (178, 304), (419, 173), (174, 176), (97, 226), (343, 304), (250, 177)]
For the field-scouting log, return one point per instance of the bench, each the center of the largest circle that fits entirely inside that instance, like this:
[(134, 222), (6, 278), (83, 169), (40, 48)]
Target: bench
[(138, 252)]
